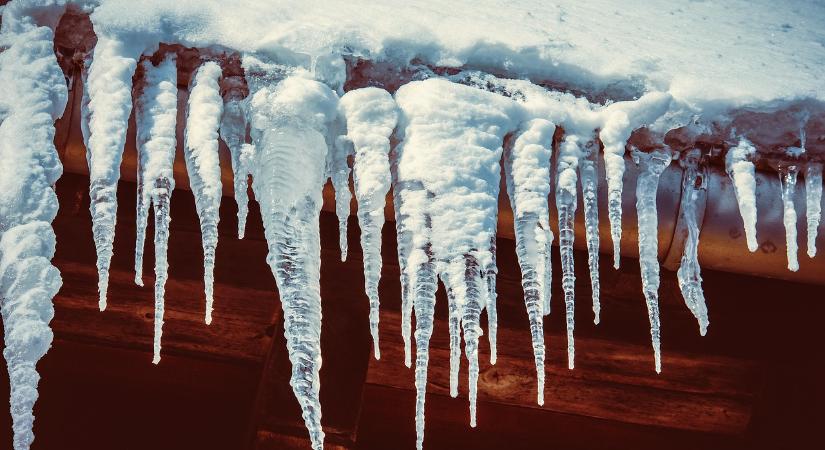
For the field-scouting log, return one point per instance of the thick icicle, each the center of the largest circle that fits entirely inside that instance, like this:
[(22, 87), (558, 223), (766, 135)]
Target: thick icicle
[(32, 96), (588, 172), (459, 130), (233, 133), (527, 171), (689, 273), (568, 160), (156, 111), (288, 122), (203, 116), (739, 166), (371, 117), (651, 166), (813, 201), (110, 104), (787, 178)]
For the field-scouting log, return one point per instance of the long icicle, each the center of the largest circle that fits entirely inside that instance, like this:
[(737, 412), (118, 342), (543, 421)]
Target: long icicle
[(371, 117), (588, 173), (156, 110), (109, 106), (30, 167), (527, 172), (289, 122), (787, 178), (689, 273), (739, 166), (566, 177), (651, 167), (813, 202), (203, 116)]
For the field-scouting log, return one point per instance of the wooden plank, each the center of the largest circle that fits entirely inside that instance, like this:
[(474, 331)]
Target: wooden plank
[(611, 381)]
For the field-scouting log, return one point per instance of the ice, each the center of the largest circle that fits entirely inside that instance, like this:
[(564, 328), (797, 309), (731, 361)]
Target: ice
[(203, 117), (527, 171), (33, 95), (371, 116), (233, 132), (289, 120), (739, 166), (451, 212), (787, 178), (813, 201), (651, 166), (570, 151), (588, 172), (156, 110), (689, 273), (338, 170), (110, 104)]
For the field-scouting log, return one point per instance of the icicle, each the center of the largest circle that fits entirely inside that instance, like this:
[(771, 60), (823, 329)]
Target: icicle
[(403, 239), (371, 117), (568, 161), (813, 200), (489, 278), (442, 120), (288, 122), (689, 273), (109, 107), (621, 118), (527, 170), (29, 167), (339, 172), (787, 177), (651, 167), (588, 171), (156, 111), (233, 133), (739, 166), (203, 115)]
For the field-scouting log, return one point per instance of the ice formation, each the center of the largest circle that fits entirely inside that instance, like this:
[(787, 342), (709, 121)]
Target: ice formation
[(689, 273), (787, 178), (651, 166), (813, 203), (156, 112), (203, 116), (739, 165), (453, 126), (233, 132), (289, 119), (570, 151), (451, 212), (109, 106), (527, 171), (371, 117)]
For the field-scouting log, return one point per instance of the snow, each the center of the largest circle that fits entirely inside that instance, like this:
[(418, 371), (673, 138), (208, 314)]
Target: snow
[(371, 116), (156, 111), (203, 116)]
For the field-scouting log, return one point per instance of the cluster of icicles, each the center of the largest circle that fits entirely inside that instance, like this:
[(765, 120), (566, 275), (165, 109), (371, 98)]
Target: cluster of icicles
[(291, 133)]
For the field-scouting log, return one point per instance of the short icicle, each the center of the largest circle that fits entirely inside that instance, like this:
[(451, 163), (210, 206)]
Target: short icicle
[(203, 117), (570, 151), (233, 132), (787, 178), (527, 172), (739, 166), (289, 122), (371, 116), (651, 166), (813, 203), (156, 110), (689, 273)]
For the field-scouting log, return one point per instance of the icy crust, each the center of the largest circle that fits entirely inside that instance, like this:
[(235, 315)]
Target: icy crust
[(527, 172), (109, 86), (371, 116), (460, 130), (32, 96), (289, 120), (156, 111), (203, 117)]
